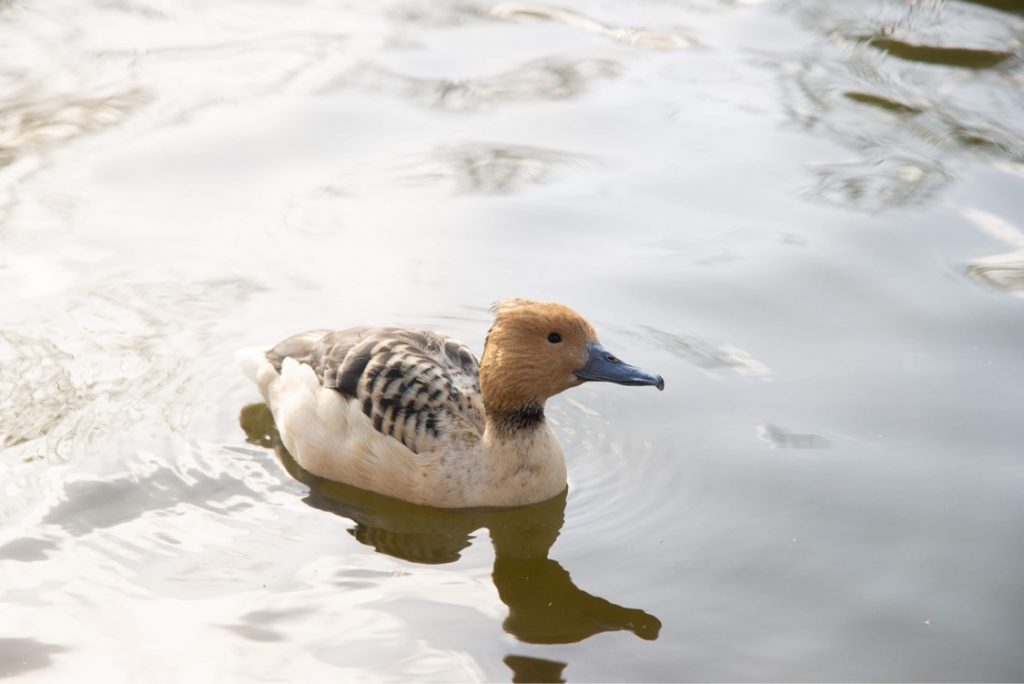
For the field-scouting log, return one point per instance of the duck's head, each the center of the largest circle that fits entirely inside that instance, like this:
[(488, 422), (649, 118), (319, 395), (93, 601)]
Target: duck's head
[(535, 350)]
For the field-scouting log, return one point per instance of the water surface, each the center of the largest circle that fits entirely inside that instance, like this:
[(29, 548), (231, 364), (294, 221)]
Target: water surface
[(806, 216)]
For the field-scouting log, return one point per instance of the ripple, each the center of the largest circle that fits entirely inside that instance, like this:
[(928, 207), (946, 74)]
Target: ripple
[(879, 182), (211, 583), (158, 510), (610, 469), (128, 353), (33, 124), (468, 169), (30, 123), (906, 124), (780, 438), (966, 58), (91, 505), (482, 168), (638, 37), (120, 59), (882, 102), (543, 79), (472, 168), (1003, 271), (711, 357)]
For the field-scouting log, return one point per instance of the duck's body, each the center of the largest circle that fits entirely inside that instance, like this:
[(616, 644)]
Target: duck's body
[(402, 412)]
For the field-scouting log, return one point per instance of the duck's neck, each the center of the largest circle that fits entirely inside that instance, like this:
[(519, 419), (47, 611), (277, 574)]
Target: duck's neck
[(522, 457), (517, 422)]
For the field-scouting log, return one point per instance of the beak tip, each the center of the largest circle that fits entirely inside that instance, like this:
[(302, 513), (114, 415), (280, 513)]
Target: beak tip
[(660, 384)]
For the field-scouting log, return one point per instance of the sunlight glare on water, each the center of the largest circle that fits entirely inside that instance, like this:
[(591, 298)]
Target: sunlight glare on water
[(806, 216)]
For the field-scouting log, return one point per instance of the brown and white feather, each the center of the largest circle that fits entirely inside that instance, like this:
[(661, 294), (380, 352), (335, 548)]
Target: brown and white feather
[(417, 387)]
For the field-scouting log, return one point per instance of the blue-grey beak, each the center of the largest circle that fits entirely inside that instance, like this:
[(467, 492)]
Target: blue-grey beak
[(605, 366)]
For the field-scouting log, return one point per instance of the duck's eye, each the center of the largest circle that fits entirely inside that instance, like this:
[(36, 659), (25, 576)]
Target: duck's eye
[(554, 338)]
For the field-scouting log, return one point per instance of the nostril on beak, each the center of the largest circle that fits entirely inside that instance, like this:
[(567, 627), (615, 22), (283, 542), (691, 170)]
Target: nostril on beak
[(611, 359)]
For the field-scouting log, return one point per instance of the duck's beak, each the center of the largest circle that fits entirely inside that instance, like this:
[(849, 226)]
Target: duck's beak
[(606, 367)]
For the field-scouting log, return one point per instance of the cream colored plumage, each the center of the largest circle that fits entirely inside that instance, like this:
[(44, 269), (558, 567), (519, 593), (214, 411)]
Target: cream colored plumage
[(414, 415)]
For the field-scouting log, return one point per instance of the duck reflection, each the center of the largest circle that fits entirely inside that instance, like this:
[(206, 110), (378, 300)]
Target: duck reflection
[(545, 607), (531, 670)]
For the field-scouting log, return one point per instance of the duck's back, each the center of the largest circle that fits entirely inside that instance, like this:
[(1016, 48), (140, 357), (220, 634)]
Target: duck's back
[(379, 408)]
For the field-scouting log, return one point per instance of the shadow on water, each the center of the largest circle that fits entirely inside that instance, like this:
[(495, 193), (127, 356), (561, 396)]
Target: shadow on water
[(1010, 6), (545, 606), (18, 656), (966, 58)]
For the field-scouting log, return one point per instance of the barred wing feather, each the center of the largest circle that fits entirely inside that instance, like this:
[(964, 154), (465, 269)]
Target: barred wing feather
[(418, 387)]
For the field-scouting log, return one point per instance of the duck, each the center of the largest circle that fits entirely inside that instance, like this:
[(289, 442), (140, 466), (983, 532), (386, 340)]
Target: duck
[(414, 415)]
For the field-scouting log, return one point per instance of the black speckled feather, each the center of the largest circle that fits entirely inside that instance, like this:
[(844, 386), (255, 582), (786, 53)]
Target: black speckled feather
[(418, 387)]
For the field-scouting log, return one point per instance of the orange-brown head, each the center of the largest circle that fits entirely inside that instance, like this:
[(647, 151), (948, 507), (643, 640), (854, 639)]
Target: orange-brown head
[(535, 350)]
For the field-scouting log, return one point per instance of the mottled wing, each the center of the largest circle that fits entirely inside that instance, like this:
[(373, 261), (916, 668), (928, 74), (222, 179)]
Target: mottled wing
[(418, 387)]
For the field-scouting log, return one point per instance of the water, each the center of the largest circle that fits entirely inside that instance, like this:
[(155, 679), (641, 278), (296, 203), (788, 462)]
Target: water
[(806, 216)]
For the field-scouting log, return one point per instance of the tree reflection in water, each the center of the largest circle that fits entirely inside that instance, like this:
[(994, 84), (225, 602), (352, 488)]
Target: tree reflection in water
[(544, 605)]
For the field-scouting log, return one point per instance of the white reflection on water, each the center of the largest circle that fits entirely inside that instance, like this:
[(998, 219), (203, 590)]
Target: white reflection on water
[(157, 558), (630, 36)]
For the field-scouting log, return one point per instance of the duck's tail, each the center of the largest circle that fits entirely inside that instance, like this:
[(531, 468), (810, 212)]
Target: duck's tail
[(249, 360)]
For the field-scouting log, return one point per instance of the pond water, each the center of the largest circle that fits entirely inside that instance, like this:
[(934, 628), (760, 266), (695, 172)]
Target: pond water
[(807, 216)]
